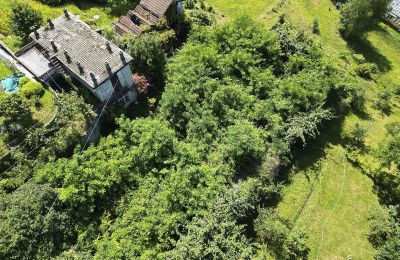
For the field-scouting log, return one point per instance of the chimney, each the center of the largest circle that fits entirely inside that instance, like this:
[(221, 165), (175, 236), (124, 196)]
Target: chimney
[(121, 55), (51, 24), (93, 78), (66, 13), (109, 70), (53, 44), (67, 56), (37, 35), (108, 45), (80, 67)]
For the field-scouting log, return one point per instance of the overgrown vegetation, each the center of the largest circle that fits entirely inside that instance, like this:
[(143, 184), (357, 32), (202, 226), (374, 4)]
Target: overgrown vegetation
[(201, 176), (238, 98)]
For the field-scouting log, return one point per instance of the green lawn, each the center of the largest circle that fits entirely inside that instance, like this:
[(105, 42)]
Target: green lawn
[(4, 70), (337, 198), (86, 9), (232, 8), (326, 196)]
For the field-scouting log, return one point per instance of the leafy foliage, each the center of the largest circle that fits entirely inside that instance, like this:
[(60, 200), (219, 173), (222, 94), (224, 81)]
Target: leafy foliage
[(148, 56), (24, 19), (359, 16), (32, 223), (385, 233)]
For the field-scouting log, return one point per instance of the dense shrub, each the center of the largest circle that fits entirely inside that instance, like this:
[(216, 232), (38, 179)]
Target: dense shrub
[(201, 17), (366, 70), (24, 19), (52, 2), (359, 16), (238, 98), (148, 56), (315, 26), (32, 89)]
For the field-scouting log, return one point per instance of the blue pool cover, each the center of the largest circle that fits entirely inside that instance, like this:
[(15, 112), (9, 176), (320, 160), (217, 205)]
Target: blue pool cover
[(11, 84)]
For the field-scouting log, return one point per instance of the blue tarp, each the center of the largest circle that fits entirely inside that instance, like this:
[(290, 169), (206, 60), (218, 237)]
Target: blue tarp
[(11, 84)]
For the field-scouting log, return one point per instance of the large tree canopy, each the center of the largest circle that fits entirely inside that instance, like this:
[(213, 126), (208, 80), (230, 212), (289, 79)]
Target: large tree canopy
[(359, 16)]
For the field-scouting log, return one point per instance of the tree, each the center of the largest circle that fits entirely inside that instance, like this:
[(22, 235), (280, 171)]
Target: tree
[(385, 232), (31, 224), (148, 56), (360, 16), (15, 111), (274, 231), (24, 19)]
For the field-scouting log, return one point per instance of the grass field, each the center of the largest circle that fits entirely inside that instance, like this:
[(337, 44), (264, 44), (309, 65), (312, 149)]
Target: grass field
[(4, 70), (232, 8), (326, 196), (330, 201)]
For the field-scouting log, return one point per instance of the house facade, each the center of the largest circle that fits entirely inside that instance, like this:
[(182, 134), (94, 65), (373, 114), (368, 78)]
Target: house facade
[(393, 16), (70, 46)]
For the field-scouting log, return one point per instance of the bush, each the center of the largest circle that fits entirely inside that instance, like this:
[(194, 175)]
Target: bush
[(201, 17), (315, 26), (141, 83), (24, 80), (148, 56), (359, 58), (358, 100), (383, 100), (52, 2), (32, 89), (24, 19), (365, 70), (358, 133)]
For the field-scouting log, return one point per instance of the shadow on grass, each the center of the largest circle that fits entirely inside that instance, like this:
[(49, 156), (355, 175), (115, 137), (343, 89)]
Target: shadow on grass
[(371, 54), (307, 156)]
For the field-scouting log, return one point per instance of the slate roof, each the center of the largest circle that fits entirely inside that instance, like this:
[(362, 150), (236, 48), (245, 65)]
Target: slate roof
[(146, 12), (395, 8), (77, 42), (158, 7)]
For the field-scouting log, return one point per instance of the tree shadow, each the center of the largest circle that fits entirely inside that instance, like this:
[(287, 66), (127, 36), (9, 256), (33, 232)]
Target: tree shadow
[(306, 156), (364, 46)]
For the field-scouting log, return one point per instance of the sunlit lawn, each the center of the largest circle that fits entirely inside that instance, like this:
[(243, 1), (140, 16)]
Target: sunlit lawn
[(4, 70), (232, 8)]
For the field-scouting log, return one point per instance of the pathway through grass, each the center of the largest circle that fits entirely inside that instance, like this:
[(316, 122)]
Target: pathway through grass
[(335, 215)]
